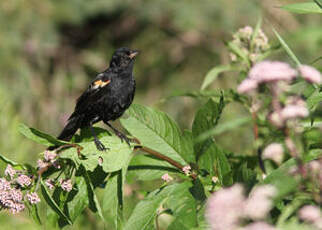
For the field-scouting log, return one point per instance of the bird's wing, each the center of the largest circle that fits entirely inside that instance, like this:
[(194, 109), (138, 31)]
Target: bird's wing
[(99, 86)]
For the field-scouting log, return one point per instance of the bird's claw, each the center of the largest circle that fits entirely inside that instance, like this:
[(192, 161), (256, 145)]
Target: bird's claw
[(100, 146), (124, 138)]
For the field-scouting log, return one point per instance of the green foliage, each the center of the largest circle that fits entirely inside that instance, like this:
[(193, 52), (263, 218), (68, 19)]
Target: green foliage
[(305, 7), (158, 131), (52, 47)]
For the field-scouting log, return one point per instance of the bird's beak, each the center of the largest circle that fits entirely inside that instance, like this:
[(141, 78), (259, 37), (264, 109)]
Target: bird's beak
[(133, 54)]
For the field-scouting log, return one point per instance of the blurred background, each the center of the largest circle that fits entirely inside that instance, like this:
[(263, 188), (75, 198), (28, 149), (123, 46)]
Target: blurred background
[(50, 50)]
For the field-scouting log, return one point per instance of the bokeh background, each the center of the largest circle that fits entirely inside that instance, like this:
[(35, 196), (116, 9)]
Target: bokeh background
[(51, 49)]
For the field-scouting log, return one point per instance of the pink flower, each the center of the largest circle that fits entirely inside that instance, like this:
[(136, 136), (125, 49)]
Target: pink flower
[(310, 213), (23, 180), (166, 177), (16, 195), (33, 198), (294, 111), (259, 226), (247, 86), (225, 208), (4, 184), (9, 171), (314, 166), (11, 199), (186, 169), (41, 164), (271, 71), (276, 119), (274, 152), (50, 184), (16, 208), (49, 155), (66, 185), (246, 32), (259, 202), (4, 196), (310, 74)]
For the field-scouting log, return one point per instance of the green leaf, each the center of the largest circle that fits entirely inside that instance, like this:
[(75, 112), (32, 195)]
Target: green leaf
[(77, 199), (291, 208), (86, 134), (303, 8), (287, 48), (255, 33), (314, 100), (183, 206), (93, 201), (281, 180), (224, 127), (206, 118), (209, 156), (113, 159), (145, 167), (53, 204), (113, 196), (38, 136), (214, 160), (214, 73), (229, 95), (111, 200), (157, 131), (33, 211), (146, 210), (319, 3), (11, 162)]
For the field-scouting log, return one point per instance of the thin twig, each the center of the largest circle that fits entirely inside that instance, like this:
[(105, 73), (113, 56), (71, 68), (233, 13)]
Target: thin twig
[(162, 157)]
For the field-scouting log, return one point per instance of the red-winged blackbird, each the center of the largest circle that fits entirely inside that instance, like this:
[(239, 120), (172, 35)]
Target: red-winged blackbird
[(106, 98)]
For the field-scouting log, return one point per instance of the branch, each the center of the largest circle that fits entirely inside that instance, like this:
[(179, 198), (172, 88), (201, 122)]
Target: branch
[(162, 157)]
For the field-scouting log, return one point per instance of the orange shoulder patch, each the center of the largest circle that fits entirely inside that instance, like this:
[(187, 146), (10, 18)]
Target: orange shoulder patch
[(100, 83)]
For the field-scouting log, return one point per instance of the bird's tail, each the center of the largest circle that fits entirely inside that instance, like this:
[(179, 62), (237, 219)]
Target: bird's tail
[(69, 130)]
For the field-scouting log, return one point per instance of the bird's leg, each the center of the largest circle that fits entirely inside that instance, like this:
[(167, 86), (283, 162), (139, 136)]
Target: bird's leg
[(98, 143), (119, 133)]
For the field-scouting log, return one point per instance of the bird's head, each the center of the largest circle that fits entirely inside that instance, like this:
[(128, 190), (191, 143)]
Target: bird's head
[(123, 57)]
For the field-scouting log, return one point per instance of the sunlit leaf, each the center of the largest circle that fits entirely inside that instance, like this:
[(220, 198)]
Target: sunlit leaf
[(113, 159), (303, 8), (38, 136), (157, 131), (214, 73), (55, 207)]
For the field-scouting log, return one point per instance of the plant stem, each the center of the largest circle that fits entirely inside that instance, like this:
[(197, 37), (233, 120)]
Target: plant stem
[(162, 157)]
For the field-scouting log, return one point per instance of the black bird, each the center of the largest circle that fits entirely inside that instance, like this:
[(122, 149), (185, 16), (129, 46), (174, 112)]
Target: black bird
[(106, 98)]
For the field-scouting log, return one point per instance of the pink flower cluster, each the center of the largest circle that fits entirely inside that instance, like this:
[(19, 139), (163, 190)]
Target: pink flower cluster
[(227, 208), (66, 185), (50, 158), (166, 177), (274, 71), (186, 169), (312, 215), (277, 76), (249, 44), (11, 194), (275, 152)]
